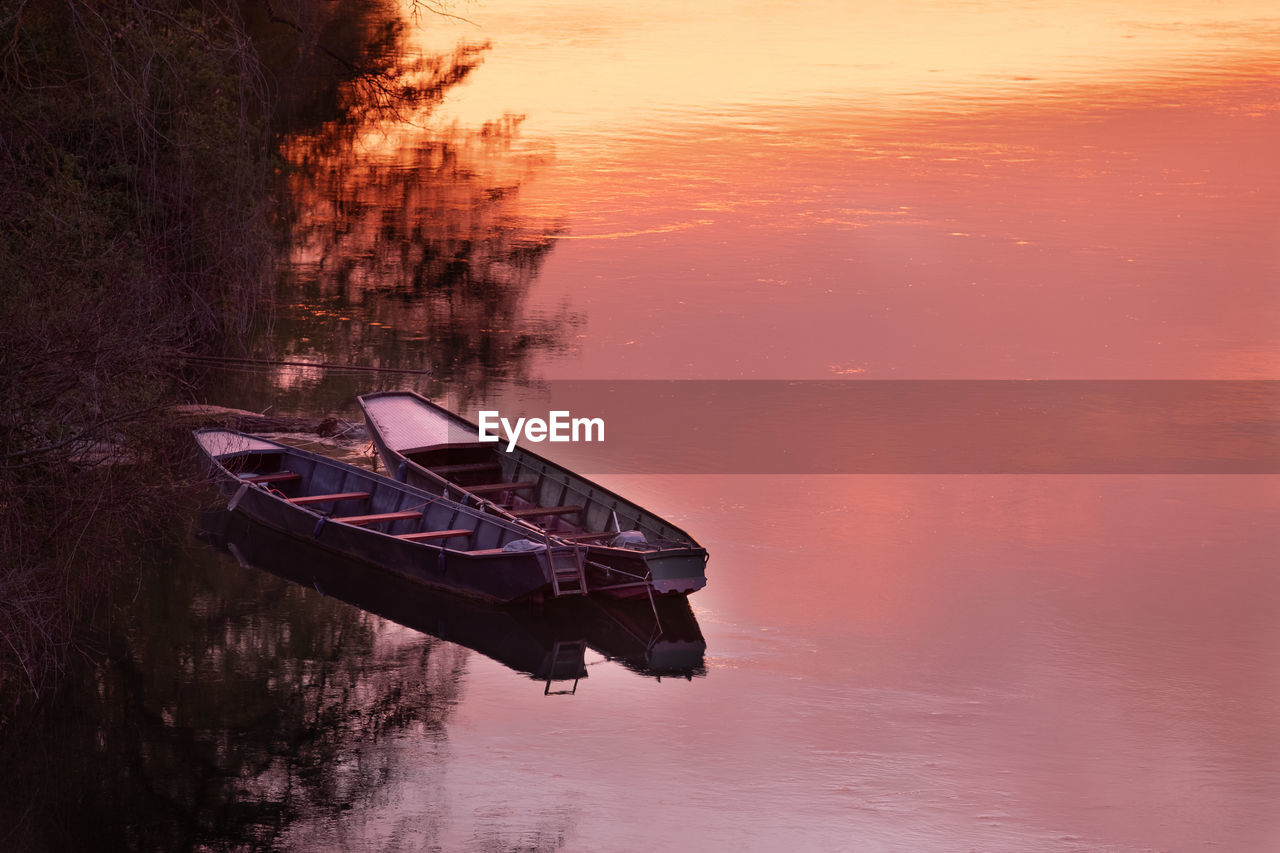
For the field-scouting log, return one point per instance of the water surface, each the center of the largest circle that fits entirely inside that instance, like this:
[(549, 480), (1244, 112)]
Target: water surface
[(729, 191)]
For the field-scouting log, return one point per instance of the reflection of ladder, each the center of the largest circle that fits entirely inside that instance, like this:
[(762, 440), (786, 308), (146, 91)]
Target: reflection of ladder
[(568, 661), (568, 570)]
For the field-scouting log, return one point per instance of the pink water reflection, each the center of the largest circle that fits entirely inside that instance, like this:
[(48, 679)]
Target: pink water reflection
[(1103, 232), (924, 663), (905, 663)]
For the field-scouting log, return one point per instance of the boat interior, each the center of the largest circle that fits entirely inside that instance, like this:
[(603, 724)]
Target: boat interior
[(547, 495), (344, 493)]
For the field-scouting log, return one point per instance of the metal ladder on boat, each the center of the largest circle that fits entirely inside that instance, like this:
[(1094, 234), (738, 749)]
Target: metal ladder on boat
[(568, 661), (568, 569)]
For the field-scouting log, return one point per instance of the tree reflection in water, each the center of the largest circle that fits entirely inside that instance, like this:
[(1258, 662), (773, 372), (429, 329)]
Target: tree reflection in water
[(403, 245), (231, 705), (420, 263), (225, 706)]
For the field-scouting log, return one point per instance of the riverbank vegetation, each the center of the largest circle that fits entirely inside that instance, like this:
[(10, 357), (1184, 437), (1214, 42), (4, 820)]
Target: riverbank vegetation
[(136, 177), (135, 157)]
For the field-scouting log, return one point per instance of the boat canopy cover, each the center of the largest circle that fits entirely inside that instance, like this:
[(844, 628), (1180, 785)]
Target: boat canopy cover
[(523, 545), (225, 443), (405, 423)]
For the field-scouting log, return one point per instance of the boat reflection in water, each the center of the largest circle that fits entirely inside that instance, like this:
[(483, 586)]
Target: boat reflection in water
[(546, 642)]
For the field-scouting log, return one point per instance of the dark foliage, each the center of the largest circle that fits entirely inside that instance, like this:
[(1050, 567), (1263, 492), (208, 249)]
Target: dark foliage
[(136, 157), (210, 728), (133, 158)]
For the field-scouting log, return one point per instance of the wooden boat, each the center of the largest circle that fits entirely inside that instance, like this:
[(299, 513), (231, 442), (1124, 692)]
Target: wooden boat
[(547, 642), (363, 515), (427, 446)]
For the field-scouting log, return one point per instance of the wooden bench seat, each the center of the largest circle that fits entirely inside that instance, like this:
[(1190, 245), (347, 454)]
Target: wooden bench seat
[(273, 477), (379, 516), (534, 511), (434, 534), (307, 500), (467, 468), (491, 488), (587, 537), (449, 445)]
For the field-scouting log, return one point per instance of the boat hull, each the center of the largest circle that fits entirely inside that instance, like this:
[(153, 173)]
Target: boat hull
[(673, 572)]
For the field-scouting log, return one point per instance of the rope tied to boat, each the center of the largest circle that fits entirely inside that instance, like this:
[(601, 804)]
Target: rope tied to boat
[(422, 507)]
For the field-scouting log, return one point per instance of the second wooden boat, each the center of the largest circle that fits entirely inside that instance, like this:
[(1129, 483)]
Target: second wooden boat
[(429, 447)]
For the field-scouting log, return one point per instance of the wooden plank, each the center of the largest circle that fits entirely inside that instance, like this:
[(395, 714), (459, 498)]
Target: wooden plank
[(274, 477), (588, 537), (491, 488), (380, 516), (452, 445), (533, 512), (306, 500), (434, 534), (467, 468)]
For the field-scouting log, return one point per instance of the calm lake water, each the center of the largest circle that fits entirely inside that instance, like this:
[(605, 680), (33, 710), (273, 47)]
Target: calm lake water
[(881, 662)]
